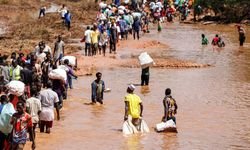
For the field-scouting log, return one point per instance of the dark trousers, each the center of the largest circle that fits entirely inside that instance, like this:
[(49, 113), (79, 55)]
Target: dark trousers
[(68, 24), (42, 12), (242, 40), (137, 33), (124, 35), (102, 49), (70, 83), (144, 80), (88, 49), (3, 137), (94, 48), (99, 100), (112, 47)]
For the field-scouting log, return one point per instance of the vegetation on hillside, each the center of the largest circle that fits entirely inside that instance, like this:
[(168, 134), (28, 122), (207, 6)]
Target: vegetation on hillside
[(227, 11)]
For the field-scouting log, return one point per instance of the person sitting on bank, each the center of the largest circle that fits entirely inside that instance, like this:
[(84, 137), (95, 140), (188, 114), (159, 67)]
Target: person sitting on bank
[(97, 88), (170, 106), (133, 106)]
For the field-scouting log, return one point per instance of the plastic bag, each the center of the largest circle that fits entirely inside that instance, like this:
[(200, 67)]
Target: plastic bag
[(72, 60), (145, 60), (120, 12), (59, 74), (16, 87), (63, 67), (129, 128), (165, 125), (102, 5), (6, 114), (122, 8)]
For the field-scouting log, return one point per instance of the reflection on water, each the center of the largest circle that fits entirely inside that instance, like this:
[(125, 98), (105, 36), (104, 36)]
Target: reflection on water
[(214, 103)]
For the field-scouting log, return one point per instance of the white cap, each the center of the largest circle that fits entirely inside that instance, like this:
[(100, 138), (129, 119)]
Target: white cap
[(131, 87)]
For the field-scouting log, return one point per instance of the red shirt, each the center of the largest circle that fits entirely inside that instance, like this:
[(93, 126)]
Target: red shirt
[(215, 40), (20, 127), (14, 101)]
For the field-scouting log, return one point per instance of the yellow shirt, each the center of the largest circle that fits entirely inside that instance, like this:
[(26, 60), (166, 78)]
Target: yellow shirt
[(134, 107), (94, 36)]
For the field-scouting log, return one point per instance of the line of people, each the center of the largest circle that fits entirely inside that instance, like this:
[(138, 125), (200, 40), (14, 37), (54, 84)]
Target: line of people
[(20, 114), (115, 22)]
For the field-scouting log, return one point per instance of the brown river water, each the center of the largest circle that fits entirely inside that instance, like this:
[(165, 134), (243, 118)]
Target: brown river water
[(214, 102)]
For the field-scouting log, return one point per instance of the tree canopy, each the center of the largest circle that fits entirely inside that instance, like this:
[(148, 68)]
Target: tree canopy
[(228, 10)]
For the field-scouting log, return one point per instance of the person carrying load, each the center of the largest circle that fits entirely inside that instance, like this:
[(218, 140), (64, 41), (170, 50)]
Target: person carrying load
[(133, 106), (170, 107)]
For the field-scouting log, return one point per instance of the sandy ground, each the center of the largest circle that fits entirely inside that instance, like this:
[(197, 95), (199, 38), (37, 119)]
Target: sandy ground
[(127, 56)]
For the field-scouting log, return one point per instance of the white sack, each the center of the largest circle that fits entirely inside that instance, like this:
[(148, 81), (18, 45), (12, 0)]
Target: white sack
[(120, 12), (72, 60), (129, 128), (59, 74), (63, 67), (145, 60), (121, 8), (165, 125), (16, 88), (102, 5)]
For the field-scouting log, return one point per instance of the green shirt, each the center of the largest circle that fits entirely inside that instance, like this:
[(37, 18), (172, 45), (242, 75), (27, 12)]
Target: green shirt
[(204, 41)]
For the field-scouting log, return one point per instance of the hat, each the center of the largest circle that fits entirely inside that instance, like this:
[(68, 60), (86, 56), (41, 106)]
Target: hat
[(131, 87)]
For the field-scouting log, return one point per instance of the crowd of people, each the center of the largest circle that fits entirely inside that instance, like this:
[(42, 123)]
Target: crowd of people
[(20, 114), (159, 10), (115, 22)]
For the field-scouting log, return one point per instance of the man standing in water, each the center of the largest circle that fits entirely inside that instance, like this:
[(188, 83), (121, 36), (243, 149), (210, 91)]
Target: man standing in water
[(49, 100), (97, 88), (170, 107), (204, 40), (133, 106), (145, 76), (59, 49), (242, 36)]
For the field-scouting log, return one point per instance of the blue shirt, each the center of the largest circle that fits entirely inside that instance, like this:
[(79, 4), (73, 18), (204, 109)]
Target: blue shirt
[(117, 2), (123, 25), (137, 25), (67, 17)]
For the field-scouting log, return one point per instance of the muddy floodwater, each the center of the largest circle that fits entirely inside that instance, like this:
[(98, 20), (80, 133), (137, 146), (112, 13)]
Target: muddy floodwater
[(214, 102)]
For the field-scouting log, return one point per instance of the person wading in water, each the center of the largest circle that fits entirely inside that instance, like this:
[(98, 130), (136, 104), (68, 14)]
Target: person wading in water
[(97, 88)]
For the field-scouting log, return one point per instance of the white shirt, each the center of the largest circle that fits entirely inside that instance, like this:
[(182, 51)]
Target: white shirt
[(59, 49), (45, 50), (34, 105), (63, 11), (87, 35), (48, 98)]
